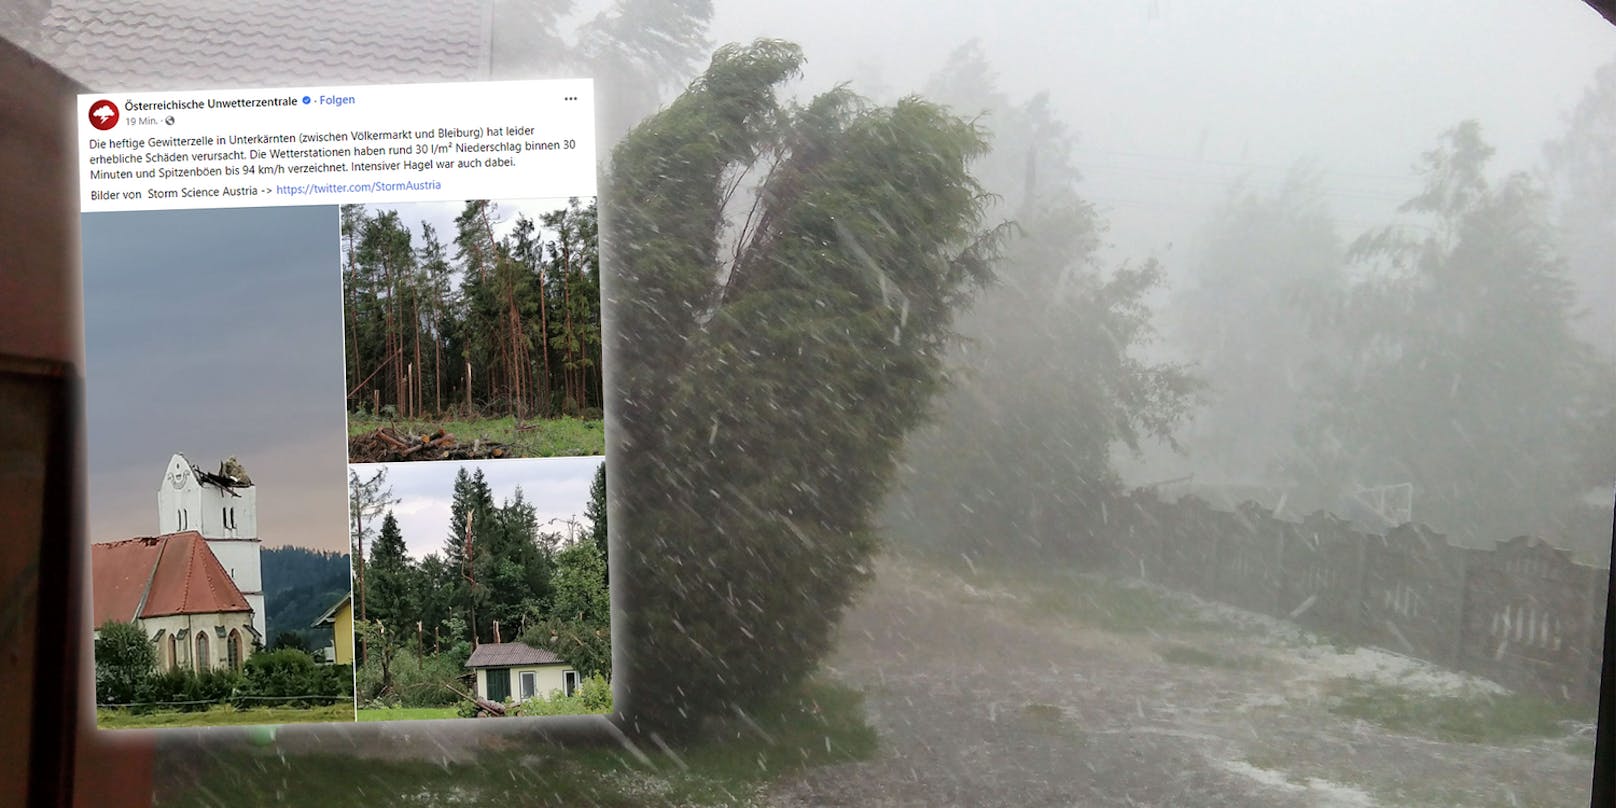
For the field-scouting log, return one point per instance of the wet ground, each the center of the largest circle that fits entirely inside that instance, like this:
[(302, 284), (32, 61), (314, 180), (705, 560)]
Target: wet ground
[(988, 692)]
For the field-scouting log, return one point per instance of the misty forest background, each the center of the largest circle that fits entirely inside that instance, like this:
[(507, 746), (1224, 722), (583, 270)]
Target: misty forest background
[(478, 325), (846, 321)]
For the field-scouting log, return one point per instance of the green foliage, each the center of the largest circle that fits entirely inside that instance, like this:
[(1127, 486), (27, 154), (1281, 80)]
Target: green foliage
[(124, 660), (1465, 376), (413, 680), (300, 585), (595, 510), (503, 572), (1048, 381), (594, 695), (577, 625), (287, 673), (209, 688), (766, 386), (287, 640), (388, 582), (521, 311)]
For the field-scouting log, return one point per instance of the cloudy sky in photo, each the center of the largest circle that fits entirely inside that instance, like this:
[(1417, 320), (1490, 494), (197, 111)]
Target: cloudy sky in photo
[(558, 488), (216, 333)]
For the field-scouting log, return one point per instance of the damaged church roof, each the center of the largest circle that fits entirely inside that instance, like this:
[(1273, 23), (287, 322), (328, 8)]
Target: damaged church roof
[(175, 573)]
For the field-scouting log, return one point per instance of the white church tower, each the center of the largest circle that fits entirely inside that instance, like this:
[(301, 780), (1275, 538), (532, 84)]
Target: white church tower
[(223, 507)]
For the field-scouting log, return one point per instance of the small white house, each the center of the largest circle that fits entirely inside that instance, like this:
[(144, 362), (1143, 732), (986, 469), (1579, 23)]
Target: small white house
[(514, 671)]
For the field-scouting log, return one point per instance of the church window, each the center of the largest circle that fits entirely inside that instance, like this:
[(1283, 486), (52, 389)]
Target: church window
[(233, 648), (173, 661), (201, 651)]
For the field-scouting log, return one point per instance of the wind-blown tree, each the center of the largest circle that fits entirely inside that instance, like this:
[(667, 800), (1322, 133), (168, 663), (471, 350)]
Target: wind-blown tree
[(1048, 377), (1465, 376), (767, 369)]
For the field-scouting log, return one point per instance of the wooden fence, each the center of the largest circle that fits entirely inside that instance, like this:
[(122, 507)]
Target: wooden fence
[(1523, 614)]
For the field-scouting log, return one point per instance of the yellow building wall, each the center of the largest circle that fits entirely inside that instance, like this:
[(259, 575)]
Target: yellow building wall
[(342, 633)]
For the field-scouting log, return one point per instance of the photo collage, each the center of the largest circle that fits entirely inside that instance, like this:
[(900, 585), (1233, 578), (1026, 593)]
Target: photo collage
[(375, 435)]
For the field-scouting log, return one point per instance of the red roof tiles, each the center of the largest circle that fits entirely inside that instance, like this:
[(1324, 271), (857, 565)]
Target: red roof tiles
[(175, 573)]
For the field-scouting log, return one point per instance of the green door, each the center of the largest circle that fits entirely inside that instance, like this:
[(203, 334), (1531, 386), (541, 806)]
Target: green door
[(499, 684)]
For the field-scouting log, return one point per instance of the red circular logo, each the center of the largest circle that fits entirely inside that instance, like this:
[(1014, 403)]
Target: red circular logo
[(103, 115)]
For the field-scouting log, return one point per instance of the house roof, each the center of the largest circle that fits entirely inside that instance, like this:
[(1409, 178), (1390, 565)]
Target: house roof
[(507, 654), (175, 573), (182, 44), (330, 615)]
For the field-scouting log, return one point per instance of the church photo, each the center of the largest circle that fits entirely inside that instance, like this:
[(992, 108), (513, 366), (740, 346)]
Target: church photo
[(220, 582)]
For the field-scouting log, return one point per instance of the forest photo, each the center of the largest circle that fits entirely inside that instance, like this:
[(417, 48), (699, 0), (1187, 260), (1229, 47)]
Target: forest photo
[(472, 330), (481, 588)]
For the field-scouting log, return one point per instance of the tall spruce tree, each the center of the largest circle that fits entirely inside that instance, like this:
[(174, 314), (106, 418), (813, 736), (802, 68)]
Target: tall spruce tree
[(387, 576)]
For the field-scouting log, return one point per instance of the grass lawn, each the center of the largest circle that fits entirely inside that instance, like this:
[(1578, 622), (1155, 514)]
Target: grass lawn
[(406, 713), (730, 763), (1470, 718), (555, 437), (222, 715)]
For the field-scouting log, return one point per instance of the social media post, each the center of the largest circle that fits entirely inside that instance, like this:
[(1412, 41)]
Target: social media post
[(336, 145), (275, 395)]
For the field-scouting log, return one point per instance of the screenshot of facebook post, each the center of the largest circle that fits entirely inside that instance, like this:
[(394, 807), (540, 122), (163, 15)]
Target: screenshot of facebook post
[(343, 404)]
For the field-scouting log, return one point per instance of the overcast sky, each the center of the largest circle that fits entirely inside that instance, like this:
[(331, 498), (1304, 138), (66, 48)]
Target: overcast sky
[(441, 215), (216, 333), (558, 488), (1172, 100)]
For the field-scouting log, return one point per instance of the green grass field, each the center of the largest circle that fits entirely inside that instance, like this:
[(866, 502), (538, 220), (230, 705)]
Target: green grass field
[(222, 715), (406, 713), (729, 764), (556, 437)]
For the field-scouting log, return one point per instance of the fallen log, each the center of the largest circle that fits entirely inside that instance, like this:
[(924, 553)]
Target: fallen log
[(387, 445)]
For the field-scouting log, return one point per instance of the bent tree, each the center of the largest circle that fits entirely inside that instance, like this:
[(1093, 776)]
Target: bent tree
[(784, 279)]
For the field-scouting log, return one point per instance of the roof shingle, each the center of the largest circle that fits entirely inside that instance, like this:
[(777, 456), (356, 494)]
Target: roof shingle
[(506, 654)]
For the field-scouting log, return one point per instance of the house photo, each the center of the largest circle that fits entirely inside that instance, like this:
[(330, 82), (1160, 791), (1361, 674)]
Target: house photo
[(481, 588), (515, 671)]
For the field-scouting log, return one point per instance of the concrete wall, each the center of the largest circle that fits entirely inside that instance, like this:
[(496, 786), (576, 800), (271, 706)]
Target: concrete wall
[(1523, 614)]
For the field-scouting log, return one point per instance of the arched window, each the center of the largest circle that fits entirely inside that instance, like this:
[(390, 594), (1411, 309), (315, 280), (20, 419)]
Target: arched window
[(233, 648), (202, 659), (173, 661)]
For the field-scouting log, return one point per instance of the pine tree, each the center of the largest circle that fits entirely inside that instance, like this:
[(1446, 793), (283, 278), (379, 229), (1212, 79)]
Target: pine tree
[(388, 579)]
